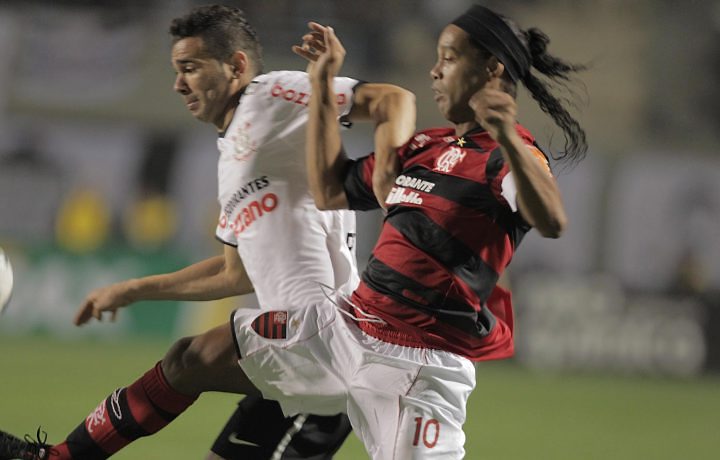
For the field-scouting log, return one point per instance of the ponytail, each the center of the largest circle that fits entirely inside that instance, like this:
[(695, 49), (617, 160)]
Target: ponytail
[(520, 52), (558, 72)]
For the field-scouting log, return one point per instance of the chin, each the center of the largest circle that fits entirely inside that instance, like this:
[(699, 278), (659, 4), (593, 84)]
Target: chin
[(443, 111), (201, 116)]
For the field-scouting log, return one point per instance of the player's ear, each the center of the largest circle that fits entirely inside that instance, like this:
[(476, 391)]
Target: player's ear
[(494, 68), (239, 64)]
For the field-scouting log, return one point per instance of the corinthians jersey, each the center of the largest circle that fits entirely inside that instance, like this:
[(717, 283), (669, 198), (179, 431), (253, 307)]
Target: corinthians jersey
[(287, 245)]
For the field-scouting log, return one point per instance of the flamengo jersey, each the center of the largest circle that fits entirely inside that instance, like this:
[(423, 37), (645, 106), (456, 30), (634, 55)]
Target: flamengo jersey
[(451, 229), (285, 243)]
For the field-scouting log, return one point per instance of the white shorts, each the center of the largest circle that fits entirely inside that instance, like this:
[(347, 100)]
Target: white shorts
[(403, 403)]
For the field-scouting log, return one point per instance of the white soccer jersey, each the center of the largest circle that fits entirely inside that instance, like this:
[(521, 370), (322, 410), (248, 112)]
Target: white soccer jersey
[(285, 243)]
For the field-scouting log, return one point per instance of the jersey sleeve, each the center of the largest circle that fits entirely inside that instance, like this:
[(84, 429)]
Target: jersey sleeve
[(358, 184), (503, 184), (344, 89), (224, 231)]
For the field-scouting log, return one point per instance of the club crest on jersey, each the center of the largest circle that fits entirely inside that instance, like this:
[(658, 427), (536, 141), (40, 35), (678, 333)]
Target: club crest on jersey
[(271, 325), (243, 146), (449, 159)]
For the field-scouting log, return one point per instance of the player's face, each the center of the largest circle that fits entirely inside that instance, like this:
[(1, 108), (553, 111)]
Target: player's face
[(204, 83), (457, 74)]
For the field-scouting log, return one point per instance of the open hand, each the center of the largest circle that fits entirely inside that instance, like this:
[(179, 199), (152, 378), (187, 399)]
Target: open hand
[(323, 51), (99, 301)]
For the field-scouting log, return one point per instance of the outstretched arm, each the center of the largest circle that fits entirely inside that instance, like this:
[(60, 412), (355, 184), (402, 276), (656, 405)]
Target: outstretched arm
[(390, 107), (214, 278)]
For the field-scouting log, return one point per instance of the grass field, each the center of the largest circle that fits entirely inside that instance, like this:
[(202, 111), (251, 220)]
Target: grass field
[(513, 414)]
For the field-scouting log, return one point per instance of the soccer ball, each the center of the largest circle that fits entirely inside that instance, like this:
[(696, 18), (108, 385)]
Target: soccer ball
[(6, 280)]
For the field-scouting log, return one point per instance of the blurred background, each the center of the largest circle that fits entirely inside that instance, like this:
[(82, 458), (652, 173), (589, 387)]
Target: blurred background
[(105, 176)]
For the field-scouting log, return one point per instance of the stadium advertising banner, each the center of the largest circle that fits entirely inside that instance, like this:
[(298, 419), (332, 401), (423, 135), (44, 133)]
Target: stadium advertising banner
[(51, 285), (592, 323)]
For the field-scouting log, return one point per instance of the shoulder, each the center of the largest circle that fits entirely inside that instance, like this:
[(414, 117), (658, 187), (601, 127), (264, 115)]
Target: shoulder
[(428, 136), (424, 139), (278, 83), (285, 90), (525, 134), (280, 76)]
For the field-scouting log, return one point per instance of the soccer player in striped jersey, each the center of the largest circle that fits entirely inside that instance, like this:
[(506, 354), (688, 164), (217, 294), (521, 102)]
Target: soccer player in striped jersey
[(428, 304), (277, 244), (397, 355)]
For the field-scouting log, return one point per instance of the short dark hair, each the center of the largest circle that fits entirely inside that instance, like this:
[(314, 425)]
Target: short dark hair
[(224, 30)]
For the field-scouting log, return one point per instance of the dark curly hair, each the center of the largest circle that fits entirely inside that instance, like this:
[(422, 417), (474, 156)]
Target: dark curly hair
[(558, 74), (224, 30)]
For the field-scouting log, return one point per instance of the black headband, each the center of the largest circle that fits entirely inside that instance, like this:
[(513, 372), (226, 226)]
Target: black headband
[(490, 31)]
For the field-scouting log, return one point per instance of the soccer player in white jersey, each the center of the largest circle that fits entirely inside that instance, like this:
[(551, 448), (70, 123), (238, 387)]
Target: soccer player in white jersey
[(277, 244)]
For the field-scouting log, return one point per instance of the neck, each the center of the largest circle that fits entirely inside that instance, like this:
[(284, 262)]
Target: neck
[(462, 128), (230, 108)]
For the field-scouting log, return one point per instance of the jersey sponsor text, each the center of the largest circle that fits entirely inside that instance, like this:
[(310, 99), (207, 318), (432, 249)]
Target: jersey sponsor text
[(298, 97), (250, 213), (243, 192)]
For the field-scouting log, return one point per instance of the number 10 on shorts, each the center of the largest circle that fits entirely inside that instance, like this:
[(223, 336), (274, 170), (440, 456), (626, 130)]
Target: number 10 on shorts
[(427, 431)]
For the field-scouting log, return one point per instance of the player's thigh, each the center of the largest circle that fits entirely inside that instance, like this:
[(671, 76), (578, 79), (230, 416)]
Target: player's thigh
[(289, 356), (206, 362), (433, 412), (426, 432)]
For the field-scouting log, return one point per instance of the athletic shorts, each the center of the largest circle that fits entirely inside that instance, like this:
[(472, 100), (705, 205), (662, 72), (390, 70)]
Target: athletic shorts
[(258, 430), (403, 402)]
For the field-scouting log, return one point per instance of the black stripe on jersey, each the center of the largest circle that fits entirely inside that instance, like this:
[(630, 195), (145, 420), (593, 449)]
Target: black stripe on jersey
[(466, 192), (435, 241), (125, 424), (512, 222), (391, 283), (494, 164), (473, 195), (358, 196)]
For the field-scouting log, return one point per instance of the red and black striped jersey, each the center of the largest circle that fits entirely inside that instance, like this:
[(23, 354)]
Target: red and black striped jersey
[(451, 228)]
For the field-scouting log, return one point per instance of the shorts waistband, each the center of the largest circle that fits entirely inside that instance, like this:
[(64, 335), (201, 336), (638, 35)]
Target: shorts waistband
[(388, 333)]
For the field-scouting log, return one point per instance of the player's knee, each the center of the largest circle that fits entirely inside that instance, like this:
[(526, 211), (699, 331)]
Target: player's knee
[(195, 354), (176, 362)]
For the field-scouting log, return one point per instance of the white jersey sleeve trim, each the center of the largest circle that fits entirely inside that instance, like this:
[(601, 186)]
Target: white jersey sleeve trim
[(509, 190)]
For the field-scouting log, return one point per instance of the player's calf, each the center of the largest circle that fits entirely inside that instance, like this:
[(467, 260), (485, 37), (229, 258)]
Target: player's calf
[(129, 413)]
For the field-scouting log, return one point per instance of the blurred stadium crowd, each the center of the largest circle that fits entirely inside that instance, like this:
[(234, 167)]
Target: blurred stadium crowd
[(103, 174)]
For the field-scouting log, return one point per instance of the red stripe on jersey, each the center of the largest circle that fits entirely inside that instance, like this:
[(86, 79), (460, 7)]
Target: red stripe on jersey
[(473, 228), (429, 333), (417, 265)]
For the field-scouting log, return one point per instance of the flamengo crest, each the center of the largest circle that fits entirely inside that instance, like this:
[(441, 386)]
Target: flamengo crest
[(271, 325), (449, 159)]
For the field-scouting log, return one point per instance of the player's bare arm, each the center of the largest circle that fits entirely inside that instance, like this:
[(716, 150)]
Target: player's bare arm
[(392, 109), (214, 278), (389, 107), (538, 196)]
